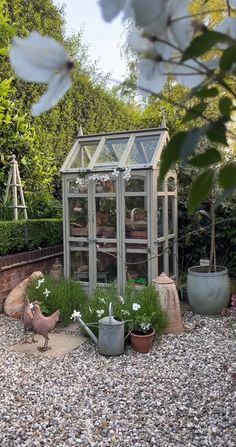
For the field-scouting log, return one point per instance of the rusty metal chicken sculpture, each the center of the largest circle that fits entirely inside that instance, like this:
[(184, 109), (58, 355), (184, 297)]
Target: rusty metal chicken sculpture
[(43, 325), (27, 317)]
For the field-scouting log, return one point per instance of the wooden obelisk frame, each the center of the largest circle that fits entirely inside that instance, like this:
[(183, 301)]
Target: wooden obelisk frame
[(14, 186)]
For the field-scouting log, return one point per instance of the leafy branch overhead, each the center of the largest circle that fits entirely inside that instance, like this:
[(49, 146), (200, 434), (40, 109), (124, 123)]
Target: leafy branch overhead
[(184, 145), (169, 38)]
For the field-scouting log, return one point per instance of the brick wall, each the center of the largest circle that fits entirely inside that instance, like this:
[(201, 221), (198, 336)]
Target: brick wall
[(15, 268)]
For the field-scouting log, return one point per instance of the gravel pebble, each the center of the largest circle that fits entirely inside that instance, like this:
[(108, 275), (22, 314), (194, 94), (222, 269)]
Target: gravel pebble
[(176, 395)]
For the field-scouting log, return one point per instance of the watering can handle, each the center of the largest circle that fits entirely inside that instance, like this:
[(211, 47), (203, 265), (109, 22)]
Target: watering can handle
[(110, 313)]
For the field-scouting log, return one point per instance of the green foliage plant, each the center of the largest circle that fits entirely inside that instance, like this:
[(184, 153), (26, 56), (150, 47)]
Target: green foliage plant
[(143, 309), (65, 295), (146, 298)]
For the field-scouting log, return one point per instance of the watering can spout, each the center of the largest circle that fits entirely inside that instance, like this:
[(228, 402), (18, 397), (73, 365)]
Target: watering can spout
[(89, 332)]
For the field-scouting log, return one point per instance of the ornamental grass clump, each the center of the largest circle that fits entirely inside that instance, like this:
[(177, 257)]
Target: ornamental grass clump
[(65, 295)]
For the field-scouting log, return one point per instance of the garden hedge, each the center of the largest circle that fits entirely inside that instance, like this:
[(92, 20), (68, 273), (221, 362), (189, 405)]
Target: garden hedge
[(23, 235)]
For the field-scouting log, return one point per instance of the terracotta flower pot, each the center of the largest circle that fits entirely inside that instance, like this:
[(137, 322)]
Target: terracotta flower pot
[(142, 343)]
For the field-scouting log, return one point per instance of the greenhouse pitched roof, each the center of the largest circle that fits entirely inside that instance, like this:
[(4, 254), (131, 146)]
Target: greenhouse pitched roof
[(99, 152)]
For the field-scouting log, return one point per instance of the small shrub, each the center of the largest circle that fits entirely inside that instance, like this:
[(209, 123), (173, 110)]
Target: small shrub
[(42, 205)]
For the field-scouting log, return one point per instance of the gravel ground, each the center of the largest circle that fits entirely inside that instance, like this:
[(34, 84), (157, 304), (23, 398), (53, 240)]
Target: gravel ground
[(176, 395)]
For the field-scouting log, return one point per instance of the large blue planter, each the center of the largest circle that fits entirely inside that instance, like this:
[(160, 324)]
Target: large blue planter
[(208, 292)]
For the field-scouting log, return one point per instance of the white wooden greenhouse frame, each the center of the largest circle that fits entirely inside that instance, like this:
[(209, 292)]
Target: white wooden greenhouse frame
[(118, 226)]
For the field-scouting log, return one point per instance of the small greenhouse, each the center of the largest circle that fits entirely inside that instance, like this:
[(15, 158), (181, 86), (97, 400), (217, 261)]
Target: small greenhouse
[(119, 225)]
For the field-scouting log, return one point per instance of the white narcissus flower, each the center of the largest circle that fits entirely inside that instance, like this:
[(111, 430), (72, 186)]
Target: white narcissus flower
[(40, 282), (46, 292), (43, 60), (75, 315), (136, 306)]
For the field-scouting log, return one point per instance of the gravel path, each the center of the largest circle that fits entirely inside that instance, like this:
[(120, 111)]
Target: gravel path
[(176, 395)]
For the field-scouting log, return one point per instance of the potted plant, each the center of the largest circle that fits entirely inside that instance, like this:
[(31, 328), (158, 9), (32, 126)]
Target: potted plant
[(208, 286), (145, 316), (142, 333)]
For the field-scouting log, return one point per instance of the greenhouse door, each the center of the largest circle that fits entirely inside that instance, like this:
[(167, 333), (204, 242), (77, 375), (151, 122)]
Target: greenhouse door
[(92, 243), (105, 230)]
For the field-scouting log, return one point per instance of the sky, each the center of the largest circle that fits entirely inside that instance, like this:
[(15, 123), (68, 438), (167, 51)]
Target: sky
[(103, 38)]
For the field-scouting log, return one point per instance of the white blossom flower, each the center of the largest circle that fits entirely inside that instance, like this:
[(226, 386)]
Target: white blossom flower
[(101, 300), (46, 292), (193, 74), (111, 8), (148, 16), (121, 299), (136, 306), (79, 181), (43, 60), (115, 173), (125, 312), (145, 327), (75, 315), (100, 313), (127, 173), (166, 27), (152, 76), (40, 282)]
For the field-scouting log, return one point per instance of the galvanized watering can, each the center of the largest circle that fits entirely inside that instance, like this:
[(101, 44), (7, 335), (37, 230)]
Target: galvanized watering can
[(111, 335)]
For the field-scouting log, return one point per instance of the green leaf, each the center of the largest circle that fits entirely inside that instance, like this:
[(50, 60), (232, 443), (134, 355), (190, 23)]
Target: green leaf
[(217, 131), (225, 106), (228, 58), (200, 189), (195, 112), (207, 92), (227, 176), (190, 142), (203, 43), (209, 157), (171, 154)]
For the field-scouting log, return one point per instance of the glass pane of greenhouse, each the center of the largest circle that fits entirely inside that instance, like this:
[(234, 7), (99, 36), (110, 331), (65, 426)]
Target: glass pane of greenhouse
[(111, 151), (84, 154), (142, 150), (118, 224)]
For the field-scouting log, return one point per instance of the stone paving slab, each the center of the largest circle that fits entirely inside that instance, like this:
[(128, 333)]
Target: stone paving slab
[(61, 344)]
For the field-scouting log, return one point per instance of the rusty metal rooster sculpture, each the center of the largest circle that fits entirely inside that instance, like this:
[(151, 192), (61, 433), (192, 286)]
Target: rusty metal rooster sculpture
[(43, 325)]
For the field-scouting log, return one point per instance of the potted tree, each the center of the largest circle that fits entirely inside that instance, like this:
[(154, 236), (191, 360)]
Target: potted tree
[(208, 286)]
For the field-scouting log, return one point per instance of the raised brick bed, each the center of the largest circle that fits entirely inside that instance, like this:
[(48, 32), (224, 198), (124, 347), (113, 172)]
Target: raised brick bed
[(14, 268)]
